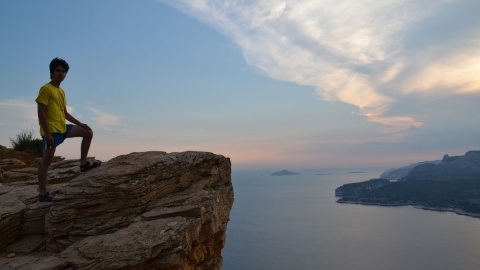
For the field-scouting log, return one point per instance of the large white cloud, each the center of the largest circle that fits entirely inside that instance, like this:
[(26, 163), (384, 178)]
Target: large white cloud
[(367, 53)]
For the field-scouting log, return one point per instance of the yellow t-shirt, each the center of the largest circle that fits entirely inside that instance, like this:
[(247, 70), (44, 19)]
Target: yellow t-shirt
[(54, 99)]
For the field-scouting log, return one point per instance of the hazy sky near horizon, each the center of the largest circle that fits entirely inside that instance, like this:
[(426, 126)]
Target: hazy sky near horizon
[(270, 84)]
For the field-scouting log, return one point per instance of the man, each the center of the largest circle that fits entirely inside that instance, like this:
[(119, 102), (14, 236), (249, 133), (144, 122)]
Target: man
[(52, 113)]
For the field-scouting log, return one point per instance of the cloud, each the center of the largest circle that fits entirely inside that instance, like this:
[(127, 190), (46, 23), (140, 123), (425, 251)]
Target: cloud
[(366, 53), (18, 113), (456, 73), (106, 120)]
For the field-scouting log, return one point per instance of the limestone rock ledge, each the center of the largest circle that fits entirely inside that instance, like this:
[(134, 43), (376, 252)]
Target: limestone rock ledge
[(149, 210)]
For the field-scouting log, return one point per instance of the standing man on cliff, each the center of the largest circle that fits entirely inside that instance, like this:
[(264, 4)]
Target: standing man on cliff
[(52, 113)]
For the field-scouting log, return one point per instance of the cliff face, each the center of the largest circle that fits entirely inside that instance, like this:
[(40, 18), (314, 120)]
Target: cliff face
[(452, 185), (450, 168), (148, 210)]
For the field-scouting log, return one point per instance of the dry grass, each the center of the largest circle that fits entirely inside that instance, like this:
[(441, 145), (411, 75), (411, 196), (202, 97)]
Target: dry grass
[(28, 158), (8, 153)]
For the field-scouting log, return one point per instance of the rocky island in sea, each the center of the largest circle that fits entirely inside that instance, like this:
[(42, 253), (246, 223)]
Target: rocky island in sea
[(284, 173), (452, 184)]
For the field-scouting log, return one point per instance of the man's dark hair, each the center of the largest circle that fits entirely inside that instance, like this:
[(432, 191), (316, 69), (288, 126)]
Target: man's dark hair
[(56, 62)]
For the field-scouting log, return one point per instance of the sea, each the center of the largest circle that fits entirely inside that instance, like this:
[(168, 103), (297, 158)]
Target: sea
[(294, 222)]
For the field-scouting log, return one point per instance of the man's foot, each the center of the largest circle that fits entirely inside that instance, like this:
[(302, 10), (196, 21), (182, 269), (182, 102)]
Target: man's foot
[(90, 165), (45, 197)]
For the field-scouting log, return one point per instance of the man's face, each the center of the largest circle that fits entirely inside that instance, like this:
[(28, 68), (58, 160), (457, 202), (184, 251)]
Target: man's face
[(59, 74)]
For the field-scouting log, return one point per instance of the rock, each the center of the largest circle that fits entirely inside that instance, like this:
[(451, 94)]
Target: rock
[(42, 262), (11, 163), (19, 177), (20, 213), (138, 211), (28, 244)]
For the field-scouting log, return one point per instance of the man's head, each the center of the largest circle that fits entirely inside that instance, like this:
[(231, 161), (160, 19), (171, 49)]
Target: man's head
[(58, 62)]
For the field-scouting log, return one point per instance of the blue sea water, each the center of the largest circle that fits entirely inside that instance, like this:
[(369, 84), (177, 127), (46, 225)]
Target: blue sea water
[(294, 222)]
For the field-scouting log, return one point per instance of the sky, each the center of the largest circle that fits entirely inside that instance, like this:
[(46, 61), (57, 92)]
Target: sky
[(272, 85)]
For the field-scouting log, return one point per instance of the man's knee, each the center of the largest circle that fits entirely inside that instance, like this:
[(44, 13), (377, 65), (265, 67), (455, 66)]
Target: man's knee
[(78, 131), (46, 162), (89, 134)]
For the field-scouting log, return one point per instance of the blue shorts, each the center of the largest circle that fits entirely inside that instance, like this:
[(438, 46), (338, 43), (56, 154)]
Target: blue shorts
[(58, 138)]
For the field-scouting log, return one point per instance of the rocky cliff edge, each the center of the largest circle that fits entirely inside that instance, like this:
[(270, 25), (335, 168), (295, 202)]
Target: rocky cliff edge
[(149, 210)]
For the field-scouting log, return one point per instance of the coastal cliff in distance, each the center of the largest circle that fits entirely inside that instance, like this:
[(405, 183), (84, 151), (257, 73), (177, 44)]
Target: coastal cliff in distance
[(399, 173), (450, 185), (149, 210)]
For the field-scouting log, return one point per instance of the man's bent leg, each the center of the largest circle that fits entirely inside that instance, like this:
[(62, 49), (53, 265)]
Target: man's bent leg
[(87, 135), (43, 169)]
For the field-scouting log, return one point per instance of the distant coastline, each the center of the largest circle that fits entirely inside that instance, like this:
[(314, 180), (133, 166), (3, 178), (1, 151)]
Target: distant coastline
[(417, 206), (451, 185), (284, 173)]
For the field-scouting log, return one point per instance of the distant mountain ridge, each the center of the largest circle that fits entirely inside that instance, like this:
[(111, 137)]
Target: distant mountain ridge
[(450, 168), (451, 185), (399, 173)]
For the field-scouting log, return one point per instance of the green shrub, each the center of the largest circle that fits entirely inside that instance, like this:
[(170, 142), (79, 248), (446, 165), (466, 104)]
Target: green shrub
[(26, 141)]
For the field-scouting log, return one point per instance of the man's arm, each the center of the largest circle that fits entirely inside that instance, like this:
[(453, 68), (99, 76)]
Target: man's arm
[(72, 119), (42, 119)]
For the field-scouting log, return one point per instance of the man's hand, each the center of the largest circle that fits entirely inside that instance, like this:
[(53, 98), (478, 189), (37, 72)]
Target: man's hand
[(85, 126), (49, 140)]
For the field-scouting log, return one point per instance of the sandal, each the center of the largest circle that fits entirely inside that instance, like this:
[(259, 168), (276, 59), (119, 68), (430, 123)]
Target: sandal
[(45, 197), (90, 165)]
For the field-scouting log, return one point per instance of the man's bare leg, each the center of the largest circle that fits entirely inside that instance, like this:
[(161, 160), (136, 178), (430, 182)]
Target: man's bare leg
[(87, 135), (43, 170)]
